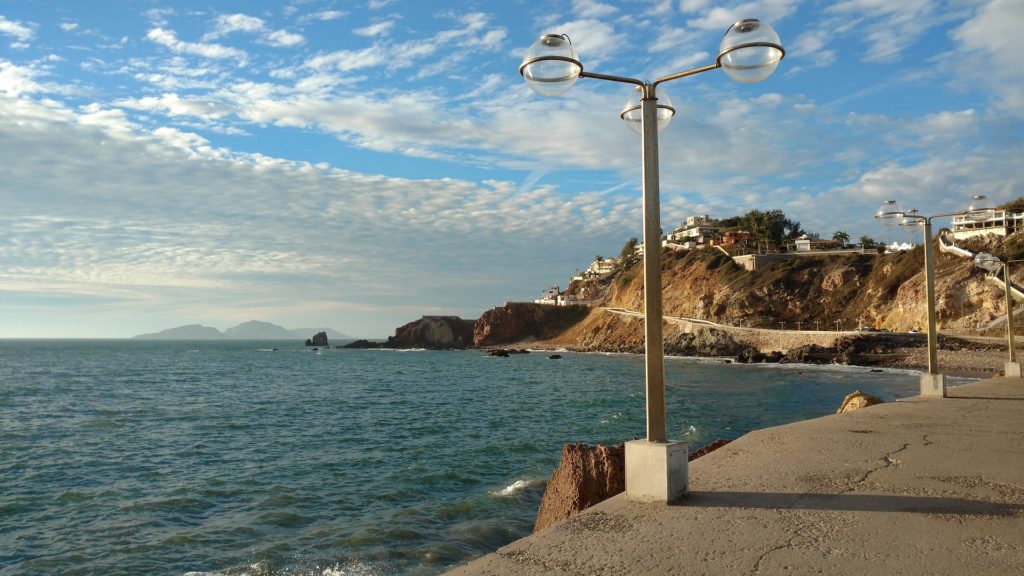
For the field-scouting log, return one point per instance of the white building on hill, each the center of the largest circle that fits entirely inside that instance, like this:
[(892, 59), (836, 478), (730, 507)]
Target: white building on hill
[(1002, 223)]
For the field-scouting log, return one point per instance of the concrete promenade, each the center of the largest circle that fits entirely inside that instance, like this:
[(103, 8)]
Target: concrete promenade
[(919, 486)]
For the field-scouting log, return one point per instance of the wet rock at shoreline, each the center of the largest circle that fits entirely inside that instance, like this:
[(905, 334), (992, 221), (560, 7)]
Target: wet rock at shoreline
[(586, 476), (858, 400), (752, 355)]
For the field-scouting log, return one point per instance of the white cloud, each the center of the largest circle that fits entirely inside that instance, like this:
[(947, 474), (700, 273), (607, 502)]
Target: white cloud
[(473, 32), (230, 23), (692, 5), (990, 45), (328, 15), (887, 27), (284, 39), (173, 105), (17, 80), (378, 29), (169, 39), (226, 24), (68, 26), (593, 8), (720, 18), (594, 40), (17, 29), (156, 221)]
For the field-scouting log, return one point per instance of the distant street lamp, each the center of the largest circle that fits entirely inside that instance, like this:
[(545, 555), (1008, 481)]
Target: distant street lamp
[(1011, 369), (749, 52), (980, 208)]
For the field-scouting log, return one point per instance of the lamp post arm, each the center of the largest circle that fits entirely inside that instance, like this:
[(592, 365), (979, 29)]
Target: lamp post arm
[(689, 72), (622, 79)]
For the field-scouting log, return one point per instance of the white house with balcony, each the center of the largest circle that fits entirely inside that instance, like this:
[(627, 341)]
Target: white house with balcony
[(1002, 223)]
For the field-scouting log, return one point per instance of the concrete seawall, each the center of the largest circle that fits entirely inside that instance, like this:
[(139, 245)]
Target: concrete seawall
[(763, 339), (919, 486)]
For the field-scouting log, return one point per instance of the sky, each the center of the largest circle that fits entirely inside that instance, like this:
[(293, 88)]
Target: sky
[(359, 164)]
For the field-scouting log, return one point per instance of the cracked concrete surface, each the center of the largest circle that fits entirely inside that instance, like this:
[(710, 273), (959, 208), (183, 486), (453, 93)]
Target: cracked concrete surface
[(920, 486)]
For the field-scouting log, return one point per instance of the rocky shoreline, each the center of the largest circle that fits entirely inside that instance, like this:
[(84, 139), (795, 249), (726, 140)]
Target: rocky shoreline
[(521, 326)]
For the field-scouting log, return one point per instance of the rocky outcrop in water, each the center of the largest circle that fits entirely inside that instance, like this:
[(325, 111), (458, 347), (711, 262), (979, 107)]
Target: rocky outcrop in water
[(319, 339), (363, 344), (433, 333), (586, 476), (524, 321)]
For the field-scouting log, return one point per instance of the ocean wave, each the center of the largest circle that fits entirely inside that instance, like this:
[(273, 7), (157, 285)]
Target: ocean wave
[(517, 487), (261, 569)]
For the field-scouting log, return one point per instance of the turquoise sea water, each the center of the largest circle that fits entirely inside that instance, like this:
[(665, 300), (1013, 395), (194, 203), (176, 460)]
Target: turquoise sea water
[(142, 457)]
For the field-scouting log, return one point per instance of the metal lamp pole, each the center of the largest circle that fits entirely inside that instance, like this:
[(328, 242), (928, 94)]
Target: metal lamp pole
[(981, 208), (1011, 369), (749, 52)]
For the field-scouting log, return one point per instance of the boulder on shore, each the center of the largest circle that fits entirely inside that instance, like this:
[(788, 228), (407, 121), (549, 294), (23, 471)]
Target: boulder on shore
[(319, 339), (858, 400), (586, 476)]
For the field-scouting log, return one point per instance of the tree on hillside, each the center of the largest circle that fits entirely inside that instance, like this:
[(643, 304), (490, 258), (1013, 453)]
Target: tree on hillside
[(628, 256), (841, 236), (768, 227), (868, 242), (1014, 205)]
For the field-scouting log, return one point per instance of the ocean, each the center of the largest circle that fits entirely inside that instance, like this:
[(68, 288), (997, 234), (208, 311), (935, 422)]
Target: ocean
[(253, 458)]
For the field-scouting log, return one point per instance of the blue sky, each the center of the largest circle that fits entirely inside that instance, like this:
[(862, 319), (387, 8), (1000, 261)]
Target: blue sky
[(359, 164)]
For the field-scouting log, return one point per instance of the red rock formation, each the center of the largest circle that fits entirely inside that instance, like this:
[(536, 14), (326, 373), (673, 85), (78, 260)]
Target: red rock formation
[(518, 321), (707, 449), (587, 475), (433, 332)]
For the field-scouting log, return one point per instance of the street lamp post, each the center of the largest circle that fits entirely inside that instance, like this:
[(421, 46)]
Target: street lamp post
[(981, 208), (1011, 368), (750, 51)]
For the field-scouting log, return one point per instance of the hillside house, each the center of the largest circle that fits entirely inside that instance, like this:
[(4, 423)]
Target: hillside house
[(1002, 223), (808, 244)]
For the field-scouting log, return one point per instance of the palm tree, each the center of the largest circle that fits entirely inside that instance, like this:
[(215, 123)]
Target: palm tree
[(841, 237)]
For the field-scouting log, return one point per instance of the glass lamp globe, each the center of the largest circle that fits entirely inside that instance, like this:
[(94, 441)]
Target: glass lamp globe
[(981, 208), (889, 213), (551, 65), (912, 219), (632, 113), (750, 51), (987, 261)]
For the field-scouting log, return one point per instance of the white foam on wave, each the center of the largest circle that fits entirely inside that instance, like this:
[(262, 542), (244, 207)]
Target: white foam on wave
[(260, 569), (517, 487)]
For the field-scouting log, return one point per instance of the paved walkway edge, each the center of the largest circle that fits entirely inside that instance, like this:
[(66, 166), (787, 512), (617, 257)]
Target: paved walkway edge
[(918, 486)]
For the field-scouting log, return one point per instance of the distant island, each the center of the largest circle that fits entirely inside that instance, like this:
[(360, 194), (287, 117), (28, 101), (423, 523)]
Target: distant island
[(252, 330)]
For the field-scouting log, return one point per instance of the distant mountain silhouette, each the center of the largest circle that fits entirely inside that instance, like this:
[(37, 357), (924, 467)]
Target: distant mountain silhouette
[(190, 332), (252, 330)]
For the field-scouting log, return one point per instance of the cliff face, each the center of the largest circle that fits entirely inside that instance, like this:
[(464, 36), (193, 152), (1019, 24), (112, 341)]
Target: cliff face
[(520, 321), (433, 332), (880, 291)]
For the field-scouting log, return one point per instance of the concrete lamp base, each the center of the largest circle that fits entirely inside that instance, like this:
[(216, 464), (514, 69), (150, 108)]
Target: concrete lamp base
[(656, 471), (1011, 369), (933, 385)]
